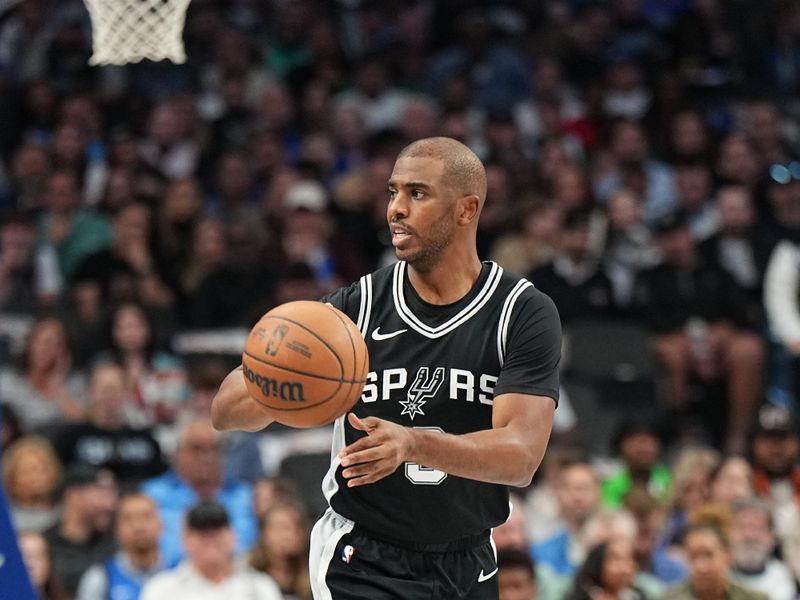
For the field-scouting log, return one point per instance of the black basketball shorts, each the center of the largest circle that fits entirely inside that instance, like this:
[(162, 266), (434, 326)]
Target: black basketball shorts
[(348, 563)]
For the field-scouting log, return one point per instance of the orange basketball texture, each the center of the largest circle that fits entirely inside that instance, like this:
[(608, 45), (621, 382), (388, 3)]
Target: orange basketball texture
[(306, 363)]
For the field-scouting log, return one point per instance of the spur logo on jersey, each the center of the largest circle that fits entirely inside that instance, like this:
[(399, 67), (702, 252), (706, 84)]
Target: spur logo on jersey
[(458, 384), (275, 341), (347, 553), (291, 391), (423, 388)]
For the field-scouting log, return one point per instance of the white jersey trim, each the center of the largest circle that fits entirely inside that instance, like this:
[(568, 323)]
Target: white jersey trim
[(407, 315), (325, 537), (329, 484), (365, 306), (505, 317)]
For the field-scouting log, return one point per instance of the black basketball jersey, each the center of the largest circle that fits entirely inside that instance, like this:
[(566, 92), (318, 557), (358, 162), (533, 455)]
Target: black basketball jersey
[(439, 368)]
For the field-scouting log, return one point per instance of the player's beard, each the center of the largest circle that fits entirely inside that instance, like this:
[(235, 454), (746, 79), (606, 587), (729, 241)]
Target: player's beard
[(439, 236)]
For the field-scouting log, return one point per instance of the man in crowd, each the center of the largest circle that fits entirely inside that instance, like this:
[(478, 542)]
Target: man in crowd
[(210, 572), (82, 537), (197, 474), (138, 527), (516, 575)]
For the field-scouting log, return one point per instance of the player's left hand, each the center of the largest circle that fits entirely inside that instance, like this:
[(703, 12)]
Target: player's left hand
[(386, 446)]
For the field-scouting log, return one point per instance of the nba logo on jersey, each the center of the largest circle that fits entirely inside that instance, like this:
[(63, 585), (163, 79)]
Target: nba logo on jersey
[(347, 553)]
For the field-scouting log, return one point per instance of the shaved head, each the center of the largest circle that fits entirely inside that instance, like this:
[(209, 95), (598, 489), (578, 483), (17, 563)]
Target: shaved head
[(463, 170)]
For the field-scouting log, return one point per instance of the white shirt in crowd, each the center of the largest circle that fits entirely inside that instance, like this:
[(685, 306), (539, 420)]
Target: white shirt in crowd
[(185, 582)]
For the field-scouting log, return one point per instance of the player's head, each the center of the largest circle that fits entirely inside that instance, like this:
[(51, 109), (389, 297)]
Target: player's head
[(436, 192)]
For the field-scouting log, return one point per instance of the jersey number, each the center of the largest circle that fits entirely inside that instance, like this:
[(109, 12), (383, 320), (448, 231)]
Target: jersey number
[(419, 475)]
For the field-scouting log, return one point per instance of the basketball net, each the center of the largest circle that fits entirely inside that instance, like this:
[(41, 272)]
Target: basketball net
[(128, 31)]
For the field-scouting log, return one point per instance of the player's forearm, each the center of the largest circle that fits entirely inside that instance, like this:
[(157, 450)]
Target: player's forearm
[(503, 455), (234, 408)]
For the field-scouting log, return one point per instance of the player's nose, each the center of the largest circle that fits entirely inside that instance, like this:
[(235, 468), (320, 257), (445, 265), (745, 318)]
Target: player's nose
[(397, 207)]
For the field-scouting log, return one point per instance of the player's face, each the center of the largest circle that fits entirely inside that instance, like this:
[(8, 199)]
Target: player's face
[(420, 211)]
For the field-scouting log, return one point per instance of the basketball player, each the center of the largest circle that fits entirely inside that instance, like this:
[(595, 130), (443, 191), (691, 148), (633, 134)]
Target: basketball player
[(458, 402)]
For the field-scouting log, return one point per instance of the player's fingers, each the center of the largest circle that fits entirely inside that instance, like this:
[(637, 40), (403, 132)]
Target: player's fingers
[(362, 456)]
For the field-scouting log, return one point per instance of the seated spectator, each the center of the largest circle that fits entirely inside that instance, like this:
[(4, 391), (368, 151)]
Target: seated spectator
[(137, 529), (197, 474), (155, 380), (739, 247), (39, 563), (574, 279), (73, 231), (106, 440), (706, 546), (608, 572), (282, 549), (691, 478), (731, 482), (516, 575), (271, 491), (638, 445), (781, 289), (83, 537), (753, 544), (31, 475), (628, 244), (209, 571), (774, 452), (534, 244), (652, 557), (578, 493), (701, 329), (20, 274), (128, 268), (43, 389)]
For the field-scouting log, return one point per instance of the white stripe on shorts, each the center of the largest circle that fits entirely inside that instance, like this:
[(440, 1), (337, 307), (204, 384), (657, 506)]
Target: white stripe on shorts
[(324, 537)]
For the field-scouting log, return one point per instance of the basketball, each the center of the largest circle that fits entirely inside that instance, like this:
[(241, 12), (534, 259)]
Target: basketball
[(306, 363)]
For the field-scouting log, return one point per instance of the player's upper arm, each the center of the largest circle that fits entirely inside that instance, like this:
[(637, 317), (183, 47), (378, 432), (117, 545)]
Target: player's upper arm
[(347, 300), (531, 348)]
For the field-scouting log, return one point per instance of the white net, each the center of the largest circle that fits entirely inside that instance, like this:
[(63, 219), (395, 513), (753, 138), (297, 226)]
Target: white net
[(127, 31)]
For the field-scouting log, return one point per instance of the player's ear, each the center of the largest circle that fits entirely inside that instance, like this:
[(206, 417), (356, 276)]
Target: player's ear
[(468, 209)]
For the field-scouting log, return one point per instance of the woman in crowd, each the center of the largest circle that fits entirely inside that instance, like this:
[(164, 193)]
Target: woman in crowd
[(282, 550), (607, 573), (31, 475), (156, 380), (43, 389)]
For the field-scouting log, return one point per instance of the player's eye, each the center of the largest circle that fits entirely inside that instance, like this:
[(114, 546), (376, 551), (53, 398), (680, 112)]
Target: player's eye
[(417, 194), (392, 193)]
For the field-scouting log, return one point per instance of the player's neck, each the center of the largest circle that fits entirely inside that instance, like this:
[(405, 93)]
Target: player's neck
[(448, 281)]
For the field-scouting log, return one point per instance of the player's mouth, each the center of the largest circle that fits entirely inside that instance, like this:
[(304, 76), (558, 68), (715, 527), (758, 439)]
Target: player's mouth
[(400, 235)]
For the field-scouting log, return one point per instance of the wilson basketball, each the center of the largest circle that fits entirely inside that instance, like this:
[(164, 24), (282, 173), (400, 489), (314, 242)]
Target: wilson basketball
[(306, 363)]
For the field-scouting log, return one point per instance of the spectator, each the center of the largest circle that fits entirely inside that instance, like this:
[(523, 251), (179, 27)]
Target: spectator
[(516, 575), (39, 563), (691, 476), (155, 380), (271, 491), (732, 482), (282, 549), (578, 493), (534, 244), (700, 328), (31, 475), (107, 440), (83, 537), (753, 544), (638, 444), (74, 232), (21, 276), (137, 529), (209, 570), (128, 268), (694, 184), (608, 572), (707, 551), (197, 474), (9, 427), (781, 293), (574, 279), (44, 389)]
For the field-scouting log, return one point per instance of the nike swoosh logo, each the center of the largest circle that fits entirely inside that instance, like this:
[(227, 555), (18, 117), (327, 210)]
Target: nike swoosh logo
[(482, 577), (378, 336)]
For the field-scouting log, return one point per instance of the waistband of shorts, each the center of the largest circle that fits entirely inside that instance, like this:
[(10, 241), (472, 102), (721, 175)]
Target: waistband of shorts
[(463, 543)]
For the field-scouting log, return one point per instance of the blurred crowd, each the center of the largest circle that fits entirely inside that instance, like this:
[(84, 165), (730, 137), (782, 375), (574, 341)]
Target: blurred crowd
[(643, 170)]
